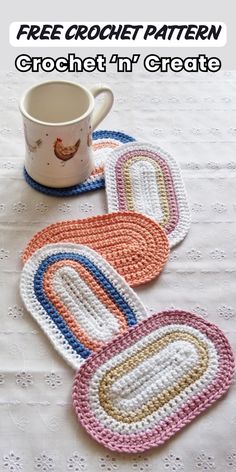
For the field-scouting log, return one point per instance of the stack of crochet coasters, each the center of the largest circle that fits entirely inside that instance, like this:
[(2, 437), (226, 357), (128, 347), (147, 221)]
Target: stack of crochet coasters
[(139, 177), (104, 141), (142, 177), (139, 379)]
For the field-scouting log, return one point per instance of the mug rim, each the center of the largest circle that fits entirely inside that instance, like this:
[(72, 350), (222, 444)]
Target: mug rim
[(60, 123)]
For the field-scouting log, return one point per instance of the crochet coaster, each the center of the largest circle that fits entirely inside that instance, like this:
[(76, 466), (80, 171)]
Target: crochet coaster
[(146, 385), (144, 178), (78, 299), (104, 142), (134, 244)]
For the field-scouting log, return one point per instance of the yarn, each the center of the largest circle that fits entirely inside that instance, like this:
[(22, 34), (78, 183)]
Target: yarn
[(150, 382), (78, 299), (142, 177), (103, 142), (135, 245)]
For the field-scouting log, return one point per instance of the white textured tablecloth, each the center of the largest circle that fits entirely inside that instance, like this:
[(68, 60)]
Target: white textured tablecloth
[(193, 117)]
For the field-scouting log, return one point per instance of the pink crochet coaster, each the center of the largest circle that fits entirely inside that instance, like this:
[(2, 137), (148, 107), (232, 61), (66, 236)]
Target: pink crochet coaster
[(146, 385), (142, 177)]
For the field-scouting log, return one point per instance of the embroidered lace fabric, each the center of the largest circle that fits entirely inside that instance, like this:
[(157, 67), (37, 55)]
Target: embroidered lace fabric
[(192, 117)]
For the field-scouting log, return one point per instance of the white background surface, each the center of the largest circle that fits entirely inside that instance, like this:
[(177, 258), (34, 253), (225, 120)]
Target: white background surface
[(193, 117)]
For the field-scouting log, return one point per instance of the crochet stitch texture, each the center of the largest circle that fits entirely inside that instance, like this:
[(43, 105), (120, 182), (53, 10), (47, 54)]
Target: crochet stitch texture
[(78, 299), (135, 245), (142, 177), (103, 142), (146, 385)]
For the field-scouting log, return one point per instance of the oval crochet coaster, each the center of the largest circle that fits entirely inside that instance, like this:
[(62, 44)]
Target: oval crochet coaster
[(147, 384), (142, 177), (135, 245), (104, 141), (78, 299)]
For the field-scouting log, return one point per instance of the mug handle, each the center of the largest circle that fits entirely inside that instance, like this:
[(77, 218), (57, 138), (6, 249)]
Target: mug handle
[(100, 113)]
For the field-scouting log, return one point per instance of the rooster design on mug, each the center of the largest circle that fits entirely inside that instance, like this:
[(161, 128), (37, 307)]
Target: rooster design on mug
[(32, 147), (65, 152), (89, 140)]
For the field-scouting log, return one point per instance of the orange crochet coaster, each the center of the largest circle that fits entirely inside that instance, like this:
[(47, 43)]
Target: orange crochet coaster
[(135, 245)]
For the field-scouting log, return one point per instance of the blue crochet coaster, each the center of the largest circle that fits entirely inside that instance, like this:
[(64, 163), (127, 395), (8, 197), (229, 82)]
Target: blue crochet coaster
[(104, 141)]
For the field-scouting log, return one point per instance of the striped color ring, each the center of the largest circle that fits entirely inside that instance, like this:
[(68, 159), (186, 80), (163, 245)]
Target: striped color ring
[(142, 177), (136, 246), (104, 141), (147, 384), (78, 299)]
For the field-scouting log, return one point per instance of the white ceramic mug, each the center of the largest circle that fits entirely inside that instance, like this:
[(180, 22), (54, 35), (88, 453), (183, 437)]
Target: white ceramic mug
[(58, 119)]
